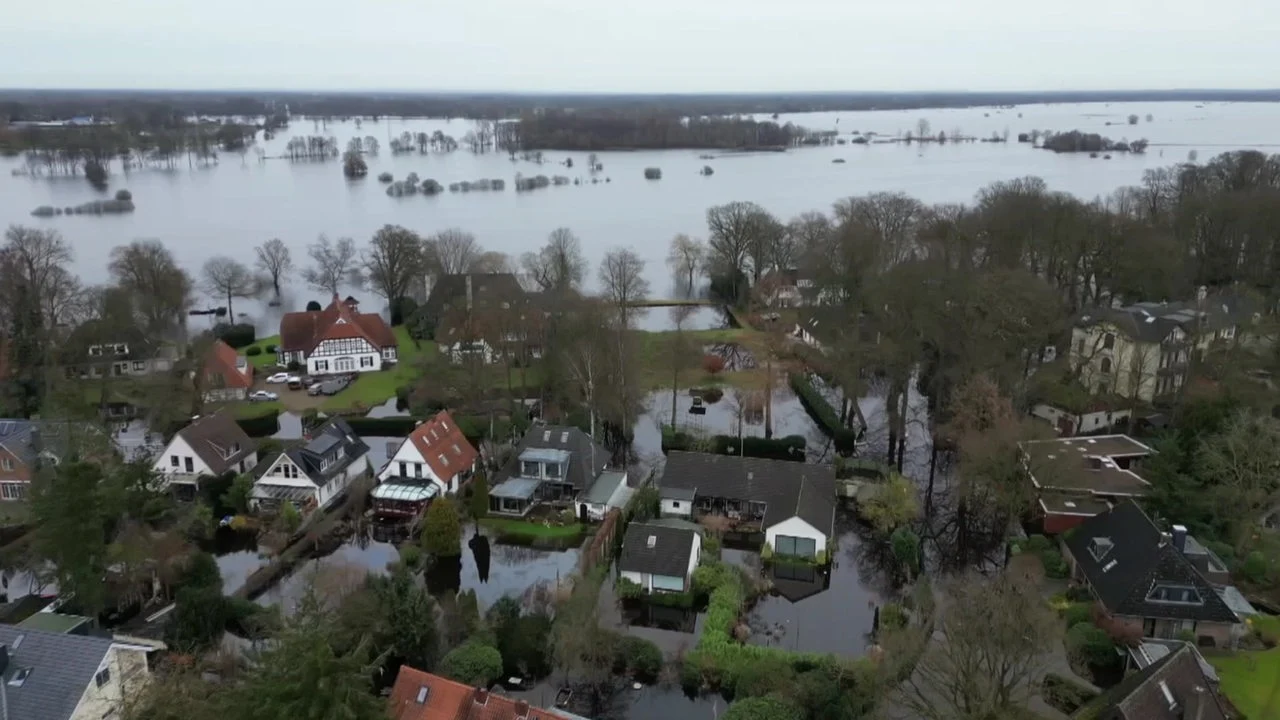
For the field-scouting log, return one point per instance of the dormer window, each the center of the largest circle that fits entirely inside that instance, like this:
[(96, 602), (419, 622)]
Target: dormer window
[(1108, 341), (552, 470), (95, 350), (1099, 547), (529, 469), (1168, 593)]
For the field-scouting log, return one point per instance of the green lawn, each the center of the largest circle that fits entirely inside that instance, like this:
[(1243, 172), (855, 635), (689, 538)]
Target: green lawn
[(375, 388), (1251, 680), (655, 358), (266, 359), (531, 529)]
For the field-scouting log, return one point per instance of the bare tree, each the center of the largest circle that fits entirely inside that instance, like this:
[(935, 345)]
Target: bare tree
[(161, 290), (992, 645), (622, 282), (37, 261), (681, 351), (393, 261), (686, 258), (923, 129), (333, 263), (453, 251), (741, 239), (274, 261), (227, 278), (1239, 464), (559, 267), (491, 261)]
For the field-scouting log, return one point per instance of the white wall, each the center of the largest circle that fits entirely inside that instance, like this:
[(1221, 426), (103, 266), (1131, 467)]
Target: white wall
[(331, 363), (408, 454), (644, 580), (693, 559), (179, 447), (128, 674), (795, 527), (680, 508)]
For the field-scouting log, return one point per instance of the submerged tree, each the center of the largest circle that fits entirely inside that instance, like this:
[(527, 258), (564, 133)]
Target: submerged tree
[(393, 261), (332, 264), (275, 261), (225, 278)]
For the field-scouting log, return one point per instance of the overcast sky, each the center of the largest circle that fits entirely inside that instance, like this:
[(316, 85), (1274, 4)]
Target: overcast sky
[(646, 46)]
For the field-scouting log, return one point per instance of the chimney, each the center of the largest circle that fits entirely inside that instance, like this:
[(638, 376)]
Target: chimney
[(1180, 538), (482, 695), (522, 709), (469, 295)]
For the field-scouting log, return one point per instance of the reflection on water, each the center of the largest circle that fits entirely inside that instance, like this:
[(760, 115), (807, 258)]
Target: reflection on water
[(660, 319), (640, 614), (627, 703)]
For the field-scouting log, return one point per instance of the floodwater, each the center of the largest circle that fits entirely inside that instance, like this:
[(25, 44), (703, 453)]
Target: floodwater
[(232, 207), (659, 319), (646, 703), (810, 612)]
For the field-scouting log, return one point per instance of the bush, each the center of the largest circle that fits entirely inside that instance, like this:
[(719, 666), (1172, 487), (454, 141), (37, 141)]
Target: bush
[(410, 556), (1055, 566), (253, 351), (791, 447), (124, 195), (294, 366), (479, 500), (1254, 567), (1077, 613), (893, 617), (769, 707), (772, 675), (712, 364), (237, 336), (442, 531), (627, 589), (237, 496), (270, 349), (472, 664), (402, 309), (638, 657), (1037, 544), (1063, 694), (1091, 644), (290, 518), (314, 306)]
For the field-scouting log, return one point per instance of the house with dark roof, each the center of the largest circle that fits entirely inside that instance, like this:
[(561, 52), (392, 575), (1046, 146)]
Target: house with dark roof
[(1175, 687), (67, 676), (1142, 351), (1076, 478), (337, 339), (792, 504), (419, 695), (1149, 581), (660, 558), (227, 374), (552, 464), (27, 444), (827, 326), (210, 446), (483, 316), (93, 349), (314, 475)]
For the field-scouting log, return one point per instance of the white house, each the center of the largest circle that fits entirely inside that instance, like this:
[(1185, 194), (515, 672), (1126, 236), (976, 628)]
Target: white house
[(338, 339), (660, 556), (210, 446), (792, 504), (64, 676), (316, 474), (610, 491), (1069, 423), (436, 450)]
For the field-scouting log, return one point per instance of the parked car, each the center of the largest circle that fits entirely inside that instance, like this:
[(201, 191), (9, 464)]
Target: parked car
[(262, 396), (308, 381), (278, 377), (332, 385), (295, 382)]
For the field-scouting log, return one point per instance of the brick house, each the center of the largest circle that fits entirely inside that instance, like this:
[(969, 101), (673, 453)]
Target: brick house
[(227, 374)]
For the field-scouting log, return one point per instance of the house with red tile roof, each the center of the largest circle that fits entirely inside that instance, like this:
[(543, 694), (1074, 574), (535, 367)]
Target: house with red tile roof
[(435, 452), (337, 339), (227, 374), (419, 695)]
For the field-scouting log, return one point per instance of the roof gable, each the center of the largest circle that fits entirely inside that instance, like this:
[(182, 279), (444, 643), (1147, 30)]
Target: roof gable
[(218, 440), (225, 368), (303, 331), (1126, 559), (1168, 689), (656, 549), (331, 449), (587, 458)]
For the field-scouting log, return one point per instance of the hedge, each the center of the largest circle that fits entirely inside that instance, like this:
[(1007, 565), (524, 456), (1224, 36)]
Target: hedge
[(1063, 694), (828, 420), (474, 428), (791, 447), (237, 336)]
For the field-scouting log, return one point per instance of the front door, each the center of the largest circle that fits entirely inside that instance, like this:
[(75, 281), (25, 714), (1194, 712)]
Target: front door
[(344, 364)]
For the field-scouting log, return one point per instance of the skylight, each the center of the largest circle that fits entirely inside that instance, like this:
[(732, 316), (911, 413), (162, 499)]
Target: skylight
[(1099, 547), (20, 676)]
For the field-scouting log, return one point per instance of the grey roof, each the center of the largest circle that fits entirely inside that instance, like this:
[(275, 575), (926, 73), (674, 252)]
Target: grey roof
[(585, 465), (62, 666), (604, 487), (789, 489), (1151, 650), (27, 439), (1153, 321), (1139, 558), (1145, 695), (676, 493), (219, 441), (325, 440), (515, 488), (1236, 600), (667, 555)]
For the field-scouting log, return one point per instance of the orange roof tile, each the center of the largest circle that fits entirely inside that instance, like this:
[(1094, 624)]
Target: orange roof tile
[(442, 445), (444, 699), (222, 366)]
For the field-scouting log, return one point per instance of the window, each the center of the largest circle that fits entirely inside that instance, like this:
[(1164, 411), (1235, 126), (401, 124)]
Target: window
[(1175, 594), (796, 546), (553, 470), (173, 461), (7, 464), (139, 365), (404, 469), (1108, 341), (529, 469), (675, 504), (1080, 347), (103, 677), (190, 465), (13, 490), (756, 508), (417, 470), (1105, 366), (95, 351), (322, 366), (366, 362)]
